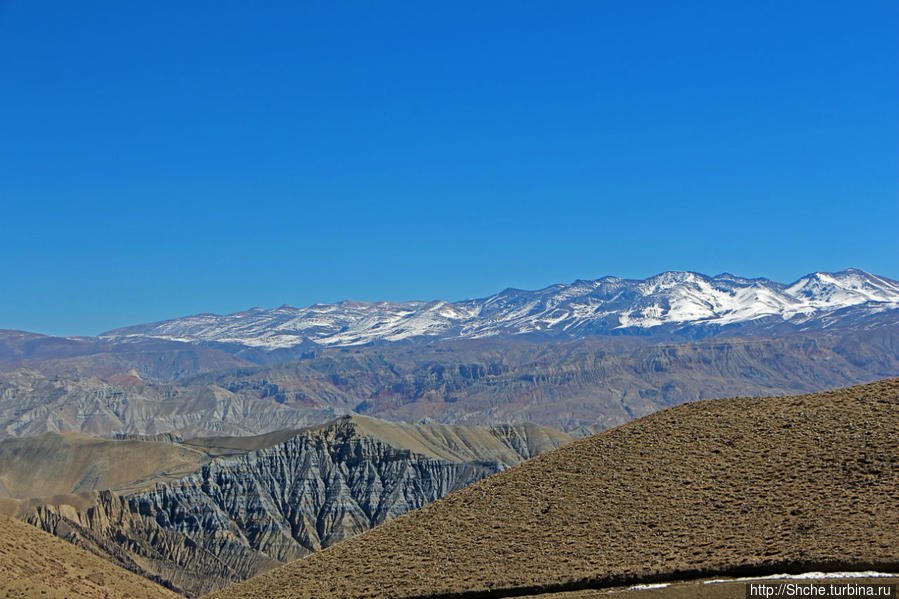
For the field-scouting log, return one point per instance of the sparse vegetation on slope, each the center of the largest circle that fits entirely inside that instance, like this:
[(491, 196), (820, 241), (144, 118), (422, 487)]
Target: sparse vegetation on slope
[(723, 486), (35, 564), (272, 498)]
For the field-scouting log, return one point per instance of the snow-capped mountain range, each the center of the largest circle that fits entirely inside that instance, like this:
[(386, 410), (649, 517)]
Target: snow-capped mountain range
[(681, 303)]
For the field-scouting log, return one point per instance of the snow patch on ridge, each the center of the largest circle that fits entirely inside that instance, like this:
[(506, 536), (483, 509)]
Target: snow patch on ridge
[(609, 305)]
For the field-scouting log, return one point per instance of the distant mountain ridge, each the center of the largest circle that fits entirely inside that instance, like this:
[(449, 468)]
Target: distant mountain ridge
[(597, 381), (560, 357), (680, 303)]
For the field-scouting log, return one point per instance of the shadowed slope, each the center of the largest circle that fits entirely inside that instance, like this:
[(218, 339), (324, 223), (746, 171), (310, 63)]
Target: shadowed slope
[(271, 499), (36, 564), (723, 486)]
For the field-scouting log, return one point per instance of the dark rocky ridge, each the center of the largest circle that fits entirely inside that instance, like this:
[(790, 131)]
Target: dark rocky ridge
[(245, 514), (732, 486)]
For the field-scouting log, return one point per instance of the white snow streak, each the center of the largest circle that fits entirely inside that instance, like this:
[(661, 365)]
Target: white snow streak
[(671, 299)]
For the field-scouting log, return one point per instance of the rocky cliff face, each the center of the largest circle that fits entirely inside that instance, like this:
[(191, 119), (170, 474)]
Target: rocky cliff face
[(32, 403), (242, 515), (597, 381), (568, 384)]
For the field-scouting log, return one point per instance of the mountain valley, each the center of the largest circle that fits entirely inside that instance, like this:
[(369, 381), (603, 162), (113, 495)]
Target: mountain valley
[(210, 451), (34, 564), (565, 384), (732, 487), (251, 503)]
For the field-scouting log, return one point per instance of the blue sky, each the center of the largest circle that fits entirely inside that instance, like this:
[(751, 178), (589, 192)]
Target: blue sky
[(168, 158)]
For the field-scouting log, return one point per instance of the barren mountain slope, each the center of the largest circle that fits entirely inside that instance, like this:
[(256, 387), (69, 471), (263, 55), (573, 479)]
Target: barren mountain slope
[(31, 404), (565, 384), (72, 463), (54, 463), (35, 564), (302, 490), (723, 486), (154, 360), (507, 444)]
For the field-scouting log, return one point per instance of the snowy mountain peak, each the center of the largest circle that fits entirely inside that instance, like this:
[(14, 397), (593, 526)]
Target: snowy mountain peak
[(842, 289), (674, 302)]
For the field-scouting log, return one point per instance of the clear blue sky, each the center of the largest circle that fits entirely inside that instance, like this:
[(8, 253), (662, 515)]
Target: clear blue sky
[(159, 159)]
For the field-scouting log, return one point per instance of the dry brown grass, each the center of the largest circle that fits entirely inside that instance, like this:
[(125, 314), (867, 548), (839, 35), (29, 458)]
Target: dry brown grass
[(737, 486), (34, 564), (63, 463)]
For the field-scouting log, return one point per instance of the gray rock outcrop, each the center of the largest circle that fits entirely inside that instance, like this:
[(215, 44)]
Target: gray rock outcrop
[(241, 515)]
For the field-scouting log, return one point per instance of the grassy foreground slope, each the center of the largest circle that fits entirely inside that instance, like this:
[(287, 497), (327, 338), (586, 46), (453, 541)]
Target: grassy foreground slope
[(204, 513), (36, 564), (734, 486)]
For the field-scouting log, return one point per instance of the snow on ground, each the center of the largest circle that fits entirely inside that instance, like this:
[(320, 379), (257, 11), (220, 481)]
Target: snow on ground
[(603, 305)]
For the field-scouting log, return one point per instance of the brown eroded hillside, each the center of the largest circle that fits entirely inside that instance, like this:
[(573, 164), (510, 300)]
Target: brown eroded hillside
[(33, 404), (595, 382), (264, 500), (61, 463), (36, 564), (734, 486), (564, 384)]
